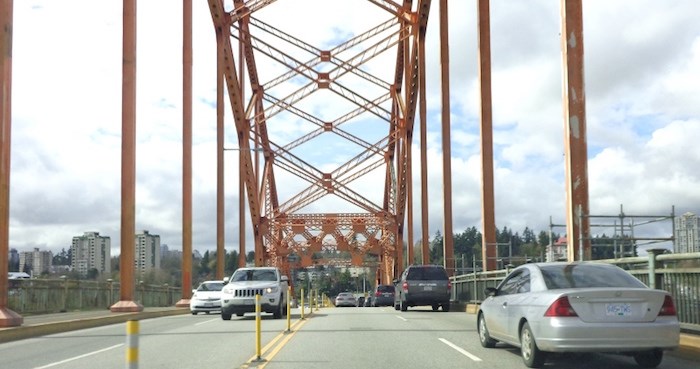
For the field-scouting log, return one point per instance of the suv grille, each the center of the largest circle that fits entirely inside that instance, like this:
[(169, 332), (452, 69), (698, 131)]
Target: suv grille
[(249, 292)]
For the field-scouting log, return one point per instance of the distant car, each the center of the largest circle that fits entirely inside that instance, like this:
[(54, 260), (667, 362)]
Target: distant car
[(238, 296), (578, 307), (207, 297), (345, 299), (383, 295), (423, 285), (368, 301), (360, 301)]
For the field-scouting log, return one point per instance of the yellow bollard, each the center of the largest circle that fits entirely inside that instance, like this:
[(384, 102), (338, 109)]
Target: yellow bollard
[(302, 303), (258, 350), (132, 344), (289, 308)]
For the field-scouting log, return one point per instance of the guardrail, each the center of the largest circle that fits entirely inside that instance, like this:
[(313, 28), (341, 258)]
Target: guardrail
[(665, 271), (41, 296)]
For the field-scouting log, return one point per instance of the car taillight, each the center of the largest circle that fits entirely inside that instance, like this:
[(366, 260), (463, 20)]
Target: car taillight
[(560, 308), (405, 286), (449, 285), (668, 308), (377, 293)]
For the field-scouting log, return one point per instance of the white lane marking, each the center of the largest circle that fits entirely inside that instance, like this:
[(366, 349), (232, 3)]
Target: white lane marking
[(79, 356), (402, 318), (206, 321), (460, 350)]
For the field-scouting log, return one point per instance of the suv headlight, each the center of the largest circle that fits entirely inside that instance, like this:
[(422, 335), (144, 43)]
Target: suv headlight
[(227, 290), (272, 289)]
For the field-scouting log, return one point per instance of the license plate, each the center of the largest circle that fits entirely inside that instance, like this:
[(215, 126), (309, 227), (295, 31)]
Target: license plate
[(249, 302), (208, 304), (618, 309), (428, 288)]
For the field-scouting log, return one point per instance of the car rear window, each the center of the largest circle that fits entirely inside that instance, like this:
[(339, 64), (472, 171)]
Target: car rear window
[(385, 288), (426, 274), (587, 275)]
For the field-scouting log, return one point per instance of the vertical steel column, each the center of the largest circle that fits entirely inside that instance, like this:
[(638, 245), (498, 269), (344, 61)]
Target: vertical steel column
[(126, 259), (8, 318), (488, 217), (241, 163), (425, 253), (220, 205), (575, 144), (409, 205), (186, 153), (448, 236)]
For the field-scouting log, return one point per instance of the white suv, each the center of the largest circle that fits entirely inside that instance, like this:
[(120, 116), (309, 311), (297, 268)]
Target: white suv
[(238, 296)]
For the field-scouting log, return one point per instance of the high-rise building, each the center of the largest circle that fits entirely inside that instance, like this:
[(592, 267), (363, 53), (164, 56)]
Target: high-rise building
[(147, 253), (35, 261), (14, 261), (91, 251), (687, 233)]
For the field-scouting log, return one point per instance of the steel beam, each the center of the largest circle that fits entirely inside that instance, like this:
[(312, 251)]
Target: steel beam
[(575, 145)]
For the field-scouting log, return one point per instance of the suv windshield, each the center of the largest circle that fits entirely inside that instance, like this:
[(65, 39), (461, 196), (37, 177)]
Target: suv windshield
[(241, 275), (427, 274)]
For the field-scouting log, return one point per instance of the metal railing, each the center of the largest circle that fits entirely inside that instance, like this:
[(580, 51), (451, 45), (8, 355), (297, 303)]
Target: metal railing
[(665, 271), (42, 296)]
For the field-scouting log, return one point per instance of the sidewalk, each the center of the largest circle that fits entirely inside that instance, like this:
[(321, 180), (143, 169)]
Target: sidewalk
[(44, 324)]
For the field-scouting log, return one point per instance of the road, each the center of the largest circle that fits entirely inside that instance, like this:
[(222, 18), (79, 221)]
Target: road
[(329, 338)]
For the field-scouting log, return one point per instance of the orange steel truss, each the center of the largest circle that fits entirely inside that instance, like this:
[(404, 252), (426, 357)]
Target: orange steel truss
[(260, 100)]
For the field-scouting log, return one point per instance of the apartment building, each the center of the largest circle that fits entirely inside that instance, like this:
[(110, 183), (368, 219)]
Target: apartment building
[(687, 233), (91, 251), (147, 253), (36, 261)]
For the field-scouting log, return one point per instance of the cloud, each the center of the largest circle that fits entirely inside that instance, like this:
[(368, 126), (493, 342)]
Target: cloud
[(641, 60)]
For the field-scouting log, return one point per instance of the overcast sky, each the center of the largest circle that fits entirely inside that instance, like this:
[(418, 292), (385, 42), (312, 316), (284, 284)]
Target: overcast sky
[(642, 67)]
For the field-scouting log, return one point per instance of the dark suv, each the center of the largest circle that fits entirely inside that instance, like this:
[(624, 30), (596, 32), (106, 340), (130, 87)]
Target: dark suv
[(383, 295), (423, 285)]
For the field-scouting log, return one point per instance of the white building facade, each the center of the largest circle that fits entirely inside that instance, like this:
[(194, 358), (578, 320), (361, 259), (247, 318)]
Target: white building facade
[(91, 251), (147, 253), (36, 261), (687, 233)]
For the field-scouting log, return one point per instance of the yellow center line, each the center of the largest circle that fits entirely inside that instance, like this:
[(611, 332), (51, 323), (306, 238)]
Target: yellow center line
[(261, 364)]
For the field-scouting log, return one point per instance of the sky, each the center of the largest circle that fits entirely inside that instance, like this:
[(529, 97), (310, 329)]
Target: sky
[(642, 64)]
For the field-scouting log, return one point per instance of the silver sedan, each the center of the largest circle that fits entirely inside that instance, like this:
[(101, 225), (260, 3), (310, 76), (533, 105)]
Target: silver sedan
[(578, 307)]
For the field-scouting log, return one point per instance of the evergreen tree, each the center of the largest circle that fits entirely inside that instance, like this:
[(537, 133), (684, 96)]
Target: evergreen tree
[(436, 249)]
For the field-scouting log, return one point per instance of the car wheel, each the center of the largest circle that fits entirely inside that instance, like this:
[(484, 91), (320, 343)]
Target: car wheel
[(484, 336), (532, 356), (207, 312), (435, 307), (404, 305), (649, 359), (194, 313), (446, 307), (225, 316), (277, 314), (397, 306)]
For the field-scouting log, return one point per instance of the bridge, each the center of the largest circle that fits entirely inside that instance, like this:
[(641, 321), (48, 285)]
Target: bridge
[(375, 80)]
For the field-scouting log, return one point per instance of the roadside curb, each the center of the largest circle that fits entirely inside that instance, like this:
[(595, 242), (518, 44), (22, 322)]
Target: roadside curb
[(29, 331)]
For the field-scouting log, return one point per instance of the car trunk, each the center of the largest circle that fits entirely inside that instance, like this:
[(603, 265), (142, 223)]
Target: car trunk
[(610, 305)]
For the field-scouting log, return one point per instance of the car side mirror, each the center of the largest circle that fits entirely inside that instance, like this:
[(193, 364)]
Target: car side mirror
[(284, 278), (226, 279), (395, 281), (490, 291)]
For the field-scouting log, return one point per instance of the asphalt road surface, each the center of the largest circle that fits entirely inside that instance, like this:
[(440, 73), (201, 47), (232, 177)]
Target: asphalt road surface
[(329, 338)]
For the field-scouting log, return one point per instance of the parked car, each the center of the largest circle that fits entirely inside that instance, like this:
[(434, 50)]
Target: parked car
[(422, 285), (360, 301), (369, 301), (383, 295), (578, 307), (207, 297), (345, 299), (238, 296)]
